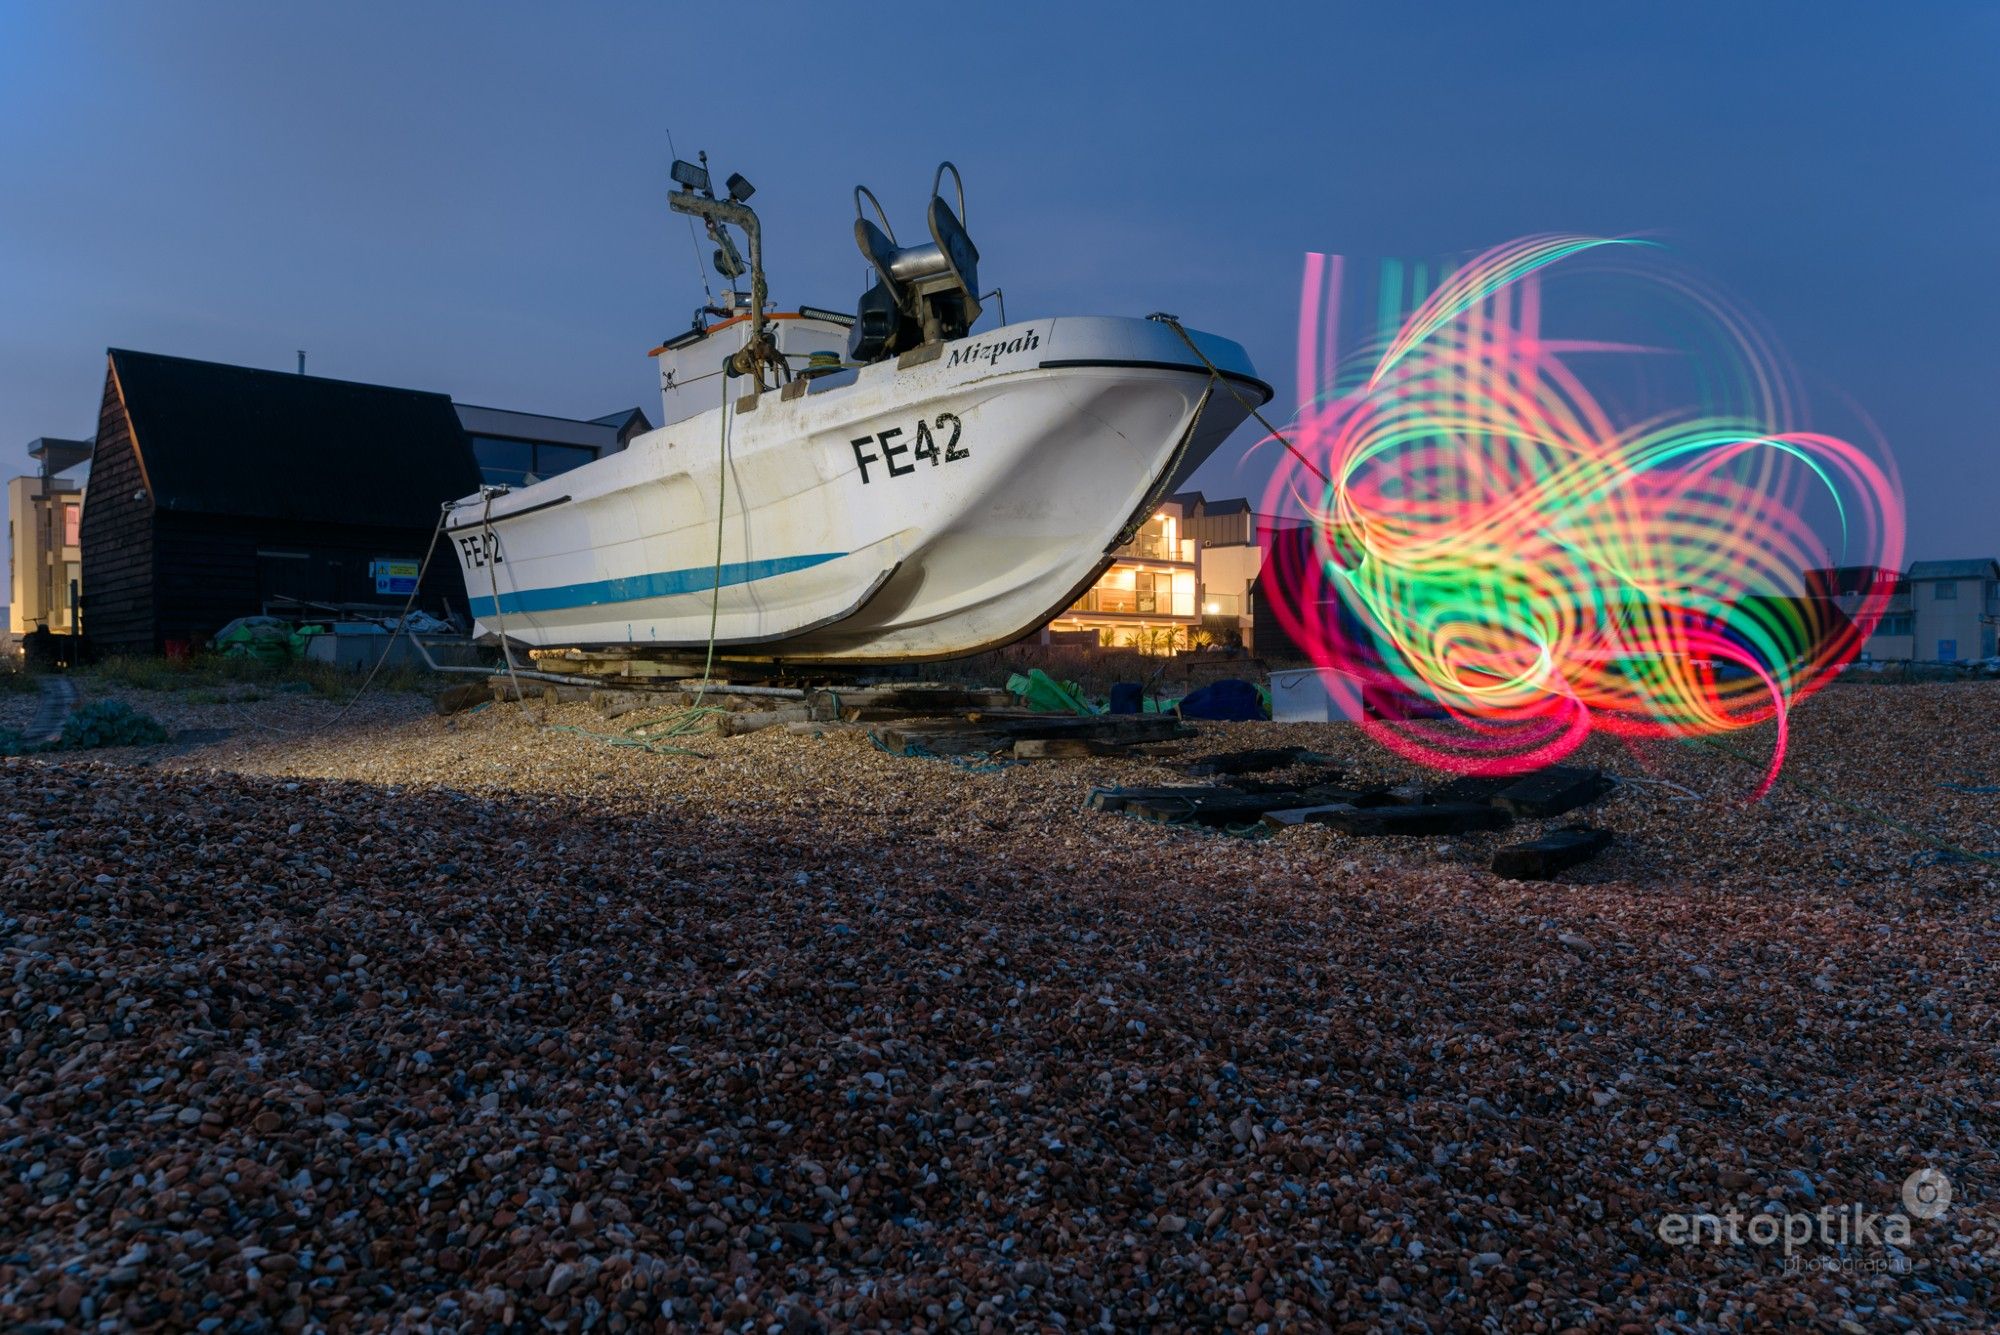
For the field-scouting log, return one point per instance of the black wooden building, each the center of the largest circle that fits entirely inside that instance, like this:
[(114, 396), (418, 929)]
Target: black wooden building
[(217, 491)]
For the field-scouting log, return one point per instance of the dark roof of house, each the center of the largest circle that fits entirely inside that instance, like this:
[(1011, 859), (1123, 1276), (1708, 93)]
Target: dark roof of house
[(1837, 581), (58, 454), (234, 440), (1189, 500), (1978, 567), (547, 428), (622, 420)]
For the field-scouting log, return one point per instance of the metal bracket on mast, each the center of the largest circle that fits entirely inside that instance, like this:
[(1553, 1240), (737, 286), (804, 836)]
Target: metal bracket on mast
[(698, 200)]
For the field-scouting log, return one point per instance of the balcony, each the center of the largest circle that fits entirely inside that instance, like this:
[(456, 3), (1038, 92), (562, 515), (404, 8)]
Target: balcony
[(1153, 547), (1133, 602)]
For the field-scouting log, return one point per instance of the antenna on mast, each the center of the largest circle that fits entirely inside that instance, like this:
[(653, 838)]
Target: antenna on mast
[(697, 198), (701, 274)]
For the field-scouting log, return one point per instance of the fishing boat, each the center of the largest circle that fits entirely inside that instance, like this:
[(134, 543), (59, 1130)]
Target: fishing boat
[(890, 485)]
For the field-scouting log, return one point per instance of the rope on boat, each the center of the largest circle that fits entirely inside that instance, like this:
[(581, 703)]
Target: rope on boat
[(979, 762), (493, 579), (687, 720), (721, 514), (678, 725), (402, 621), (1215, 373), (694, 242)]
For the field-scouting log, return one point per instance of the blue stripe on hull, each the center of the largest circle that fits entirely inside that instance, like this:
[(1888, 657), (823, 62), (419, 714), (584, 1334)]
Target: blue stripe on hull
[(632, 588)]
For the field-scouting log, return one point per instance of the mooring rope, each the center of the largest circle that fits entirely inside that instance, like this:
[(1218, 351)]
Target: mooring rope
[(492, 554), (402, 622), (1255, 410), (721, 516), (685, 722)]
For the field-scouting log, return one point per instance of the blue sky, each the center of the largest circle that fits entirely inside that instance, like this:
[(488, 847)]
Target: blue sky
[(472, 198)]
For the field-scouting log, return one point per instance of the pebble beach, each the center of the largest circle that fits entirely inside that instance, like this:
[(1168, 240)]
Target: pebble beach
[(378, 1020)]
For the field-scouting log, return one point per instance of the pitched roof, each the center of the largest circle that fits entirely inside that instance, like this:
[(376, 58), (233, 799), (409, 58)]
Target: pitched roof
[(1188, 500), (1977, 567), (234, 440), (1839, 581), (482, 421), (629, 418)]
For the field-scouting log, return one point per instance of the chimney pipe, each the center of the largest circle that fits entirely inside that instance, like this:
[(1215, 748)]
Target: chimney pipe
[(302, 361)]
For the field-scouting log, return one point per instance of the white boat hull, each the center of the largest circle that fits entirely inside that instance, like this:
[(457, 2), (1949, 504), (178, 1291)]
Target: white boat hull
[(890, 514)]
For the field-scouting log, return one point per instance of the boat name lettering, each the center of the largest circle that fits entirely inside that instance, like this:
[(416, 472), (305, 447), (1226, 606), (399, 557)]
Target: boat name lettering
[(890, 447), (479, 548), (990, 353)]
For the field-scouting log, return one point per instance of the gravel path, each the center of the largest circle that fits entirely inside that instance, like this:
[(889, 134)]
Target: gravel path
[(470, 1023)]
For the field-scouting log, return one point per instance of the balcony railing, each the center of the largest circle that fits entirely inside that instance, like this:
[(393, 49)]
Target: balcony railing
[(1159, 549), (1131, 602)]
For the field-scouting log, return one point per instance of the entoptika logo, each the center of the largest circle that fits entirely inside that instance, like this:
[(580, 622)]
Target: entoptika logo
[(1926, 1194)]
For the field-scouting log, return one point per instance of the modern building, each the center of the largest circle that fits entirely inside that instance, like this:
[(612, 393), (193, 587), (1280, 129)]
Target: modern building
[(1954, 606), (1184, 581), (1230, 536), (1147, 600), (224, 491), (1937, 612), (517, 448), (44, 512)]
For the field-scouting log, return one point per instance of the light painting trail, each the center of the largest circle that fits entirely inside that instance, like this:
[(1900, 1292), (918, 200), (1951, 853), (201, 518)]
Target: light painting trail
[(1535, 562)]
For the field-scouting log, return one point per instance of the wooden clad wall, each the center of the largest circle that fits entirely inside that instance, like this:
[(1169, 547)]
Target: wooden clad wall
[(117, 536), (212, 569)]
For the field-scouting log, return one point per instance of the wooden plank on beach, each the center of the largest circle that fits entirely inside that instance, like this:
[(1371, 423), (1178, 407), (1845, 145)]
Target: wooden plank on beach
[(989, 733), (1258, 760), (1216, 806), (1438, 818), (1553, 791), (1067, 748), (1540, 859)]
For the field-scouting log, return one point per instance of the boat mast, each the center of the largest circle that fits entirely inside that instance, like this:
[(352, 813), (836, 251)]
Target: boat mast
[(698, 199)]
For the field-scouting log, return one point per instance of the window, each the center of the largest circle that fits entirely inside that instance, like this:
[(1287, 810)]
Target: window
[(1141, 593), (72, 525), (515, 462), (553, 459), (507, 461), (1946, 589), (1896, 623)]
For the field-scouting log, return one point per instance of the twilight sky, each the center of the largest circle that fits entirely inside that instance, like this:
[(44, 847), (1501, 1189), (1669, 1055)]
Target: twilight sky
[(471, 198)]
